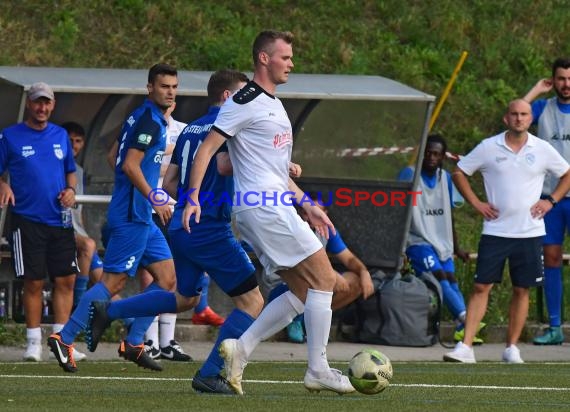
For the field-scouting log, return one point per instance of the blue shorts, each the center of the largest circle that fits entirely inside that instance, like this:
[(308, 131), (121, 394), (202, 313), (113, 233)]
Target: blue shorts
[(223, 259), (557, 223), (424, 258), (134, 244), (96, 262)]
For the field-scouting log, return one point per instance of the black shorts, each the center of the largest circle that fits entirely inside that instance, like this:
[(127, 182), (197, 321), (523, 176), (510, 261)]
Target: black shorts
[(526, 261), (39, 249)]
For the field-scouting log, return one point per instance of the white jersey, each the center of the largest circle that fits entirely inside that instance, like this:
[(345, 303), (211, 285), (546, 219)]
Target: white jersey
[(260, 141), (513, 182), (172, 132)]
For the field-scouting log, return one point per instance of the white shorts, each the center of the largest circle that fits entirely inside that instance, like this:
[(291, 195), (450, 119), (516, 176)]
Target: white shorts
[(278, 235)]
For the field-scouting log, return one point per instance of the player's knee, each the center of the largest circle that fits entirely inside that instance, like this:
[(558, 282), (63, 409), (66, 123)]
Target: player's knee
[(114, 282), (325, 282), (440, 275), (184, 303), (169, 284), (255, 303), (85, 246), (552, 256), (552, 261)]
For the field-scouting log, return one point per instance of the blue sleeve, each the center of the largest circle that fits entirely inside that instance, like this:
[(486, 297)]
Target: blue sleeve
[(537, 109), (3, 153), (406, 175), (335, 245), (177, 152), (146, 132)]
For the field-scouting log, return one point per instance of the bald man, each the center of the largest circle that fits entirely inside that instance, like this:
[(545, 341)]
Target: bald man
[(513, 164)]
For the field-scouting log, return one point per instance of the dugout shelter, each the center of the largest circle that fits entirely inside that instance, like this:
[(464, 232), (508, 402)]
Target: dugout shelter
[(352, 135)]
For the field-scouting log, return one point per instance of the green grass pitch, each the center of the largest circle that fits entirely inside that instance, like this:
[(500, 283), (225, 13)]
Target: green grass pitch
[(277, 386)]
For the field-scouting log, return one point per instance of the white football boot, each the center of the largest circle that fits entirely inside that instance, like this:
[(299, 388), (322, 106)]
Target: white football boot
[(331, 380), (234, 363)]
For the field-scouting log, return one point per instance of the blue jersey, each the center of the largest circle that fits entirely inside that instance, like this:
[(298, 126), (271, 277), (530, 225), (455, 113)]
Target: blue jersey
[(216, 192), (38, 162), (145, 130), (539, 105)]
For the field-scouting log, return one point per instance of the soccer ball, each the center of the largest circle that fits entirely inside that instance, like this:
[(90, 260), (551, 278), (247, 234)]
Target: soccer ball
[(370, 371)]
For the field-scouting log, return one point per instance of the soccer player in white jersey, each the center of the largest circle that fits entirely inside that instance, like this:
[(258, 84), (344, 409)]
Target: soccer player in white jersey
[(259, 135), (513, 164)]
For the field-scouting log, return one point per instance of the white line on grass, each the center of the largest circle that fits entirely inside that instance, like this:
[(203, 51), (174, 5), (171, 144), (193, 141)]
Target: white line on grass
[(402, 385)]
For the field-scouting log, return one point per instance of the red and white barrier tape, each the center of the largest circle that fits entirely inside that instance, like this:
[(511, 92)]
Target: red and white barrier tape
[(376, 151)]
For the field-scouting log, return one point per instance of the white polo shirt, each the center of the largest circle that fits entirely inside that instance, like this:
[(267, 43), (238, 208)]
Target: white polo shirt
[(513, 182)]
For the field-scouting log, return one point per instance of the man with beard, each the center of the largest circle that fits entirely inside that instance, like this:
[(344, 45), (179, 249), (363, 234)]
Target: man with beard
[(552, 117)]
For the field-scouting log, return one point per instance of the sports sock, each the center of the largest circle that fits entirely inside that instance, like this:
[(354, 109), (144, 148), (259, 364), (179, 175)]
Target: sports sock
[(458, 293), (152, 332), (235, 325), (34, 336), (156, 298), (318, 317), (274, 317), (166, 323), (56, 327), (451, 300), (203, 303), (149, 303), (79, 288), (553, 294), (80, 315)]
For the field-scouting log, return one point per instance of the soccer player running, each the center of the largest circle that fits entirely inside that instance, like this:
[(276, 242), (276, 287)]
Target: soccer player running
[(134, 238), (552, 117), (210, 247), (513, 164), (259, 135)]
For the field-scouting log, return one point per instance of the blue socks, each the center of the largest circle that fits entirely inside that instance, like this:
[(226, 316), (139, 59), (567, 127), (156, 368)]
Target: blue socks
[(79, 288), (80, 315), (236, 323), (151, 302), (453, 300), (553, 294), (203, 303), (155, 298)]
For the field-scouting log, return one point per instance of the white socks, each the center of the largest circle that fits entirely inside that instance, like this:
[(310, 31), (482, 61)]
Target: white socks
[(57, 327), (152, 332), (318, 317), (166, 324), (274, 317), (34, 336)]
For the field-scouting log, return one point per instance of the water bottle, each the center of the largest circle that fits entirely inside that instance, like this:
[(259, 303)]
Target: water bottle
[(66, 218), (2, 304)]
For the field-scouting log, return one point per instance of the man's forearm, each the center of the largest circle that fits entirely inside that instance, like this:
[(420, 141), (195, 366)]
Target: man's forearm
[(462, 184)]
